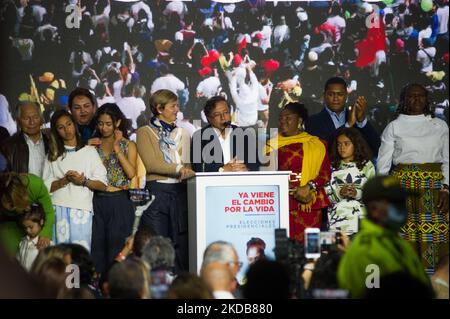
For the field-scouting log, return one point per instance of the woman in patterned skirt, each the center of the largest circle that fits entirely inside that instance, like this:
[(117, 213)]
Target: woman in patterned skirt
[(414, 148), (306, 156)]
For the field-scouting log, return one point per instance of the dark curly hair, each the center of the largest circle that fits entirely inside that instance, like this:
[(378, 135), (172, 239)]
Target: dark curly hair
[(402, 108), (115, 114), (362, 152)]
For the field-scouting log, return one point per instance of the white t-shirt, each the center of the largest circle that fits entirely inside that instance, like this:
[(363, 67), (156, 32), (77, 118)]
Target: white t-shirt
[(263, 95), (280, 33), (442, 14), (246, 99), (267, 33), (106, 99), (424, 59), (131, 107), (209, 87), (168, 82), (86, 160), (414, 139)]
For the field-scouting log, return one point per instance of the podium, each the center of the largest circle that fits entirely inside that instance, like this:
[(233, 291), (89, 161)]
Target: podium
[(235, 207)]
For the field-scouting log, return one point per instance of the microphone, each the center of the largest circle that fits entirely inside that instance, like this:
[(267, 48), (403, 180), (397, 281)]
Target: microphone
[(227, 124)]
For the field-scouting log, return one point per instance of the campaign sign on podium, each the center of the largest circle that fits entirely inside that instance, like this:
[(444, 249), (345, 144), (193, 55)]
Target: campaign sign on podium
[(236, 207)]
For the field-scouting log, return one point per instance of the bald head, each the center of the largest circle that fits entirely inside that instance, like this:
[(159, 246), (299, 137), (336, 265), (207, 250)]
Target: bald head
[(218, 276)]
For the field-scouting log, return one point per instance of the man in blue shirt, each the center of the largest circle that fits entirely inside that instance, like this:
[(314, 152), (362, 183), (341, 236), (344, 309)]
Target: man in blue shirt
[(335, 115)]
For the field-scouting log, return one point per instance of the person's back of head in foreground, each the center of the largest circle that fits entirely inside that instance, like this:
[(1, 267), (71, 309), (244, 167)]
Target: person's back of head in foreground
[(189, 286), (267, 279), (159, 253), (325, 269), (400, 285), (141, 238), (128, 280)]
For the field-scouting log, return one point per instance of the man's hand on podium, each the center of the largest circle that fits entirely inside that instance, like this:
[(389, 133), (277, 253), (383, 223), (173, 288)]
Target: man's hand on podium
[(235, 165)]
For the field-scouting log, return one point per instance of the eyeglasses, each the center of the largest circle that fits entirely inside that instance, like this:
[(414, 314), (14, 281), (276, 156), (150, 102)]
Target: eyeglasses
[(239, 263)]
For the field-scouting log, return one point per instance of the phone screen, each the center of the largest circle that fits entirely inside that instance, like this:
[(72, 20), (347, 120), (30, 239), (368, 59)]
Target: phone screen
[(327, 240), (312, 242), (160, 284)]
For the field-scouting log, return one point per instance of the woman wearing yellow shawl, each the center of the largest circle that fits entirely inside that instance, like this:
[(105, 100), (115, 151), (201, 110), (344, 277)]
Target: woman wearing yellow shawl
[(306, 156)]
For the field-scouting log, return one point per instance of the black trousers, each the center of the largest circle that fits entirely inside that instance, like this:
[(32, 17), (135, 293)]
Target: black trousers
[(168, 217), (111, 225)]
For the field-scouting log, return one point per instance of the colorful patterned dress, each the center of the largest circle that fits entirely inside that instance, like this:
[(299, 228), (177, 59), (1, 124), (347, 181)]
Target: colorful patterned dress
[(290, 158), (426, 227), (344, 214)]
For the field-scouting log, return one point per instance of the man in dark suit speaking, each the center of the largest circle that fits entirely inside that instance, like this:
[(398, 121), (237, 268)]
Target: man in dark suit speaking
[(335, 115), (221, 146)]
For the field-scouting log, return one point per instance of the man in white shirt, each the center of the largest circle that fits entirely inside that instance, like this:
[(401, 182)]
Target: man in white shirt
[(209, 87), (266, 32), (167, 81), (245, 95), (25, 151), (130, 105), (426, 55), (281, 32), (442, 13)]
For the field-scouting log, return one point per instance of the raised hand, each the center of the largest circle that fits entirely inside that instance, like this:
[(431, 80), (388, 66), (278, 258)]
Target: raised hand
[(118, 136), (351, 119), (360, 108)]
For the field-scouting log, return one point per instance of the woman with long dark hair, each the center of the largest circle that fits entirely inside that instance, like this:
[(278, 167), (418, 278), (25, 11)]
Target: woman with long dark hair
[(113, 209), (414, 148), (72, 173)]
